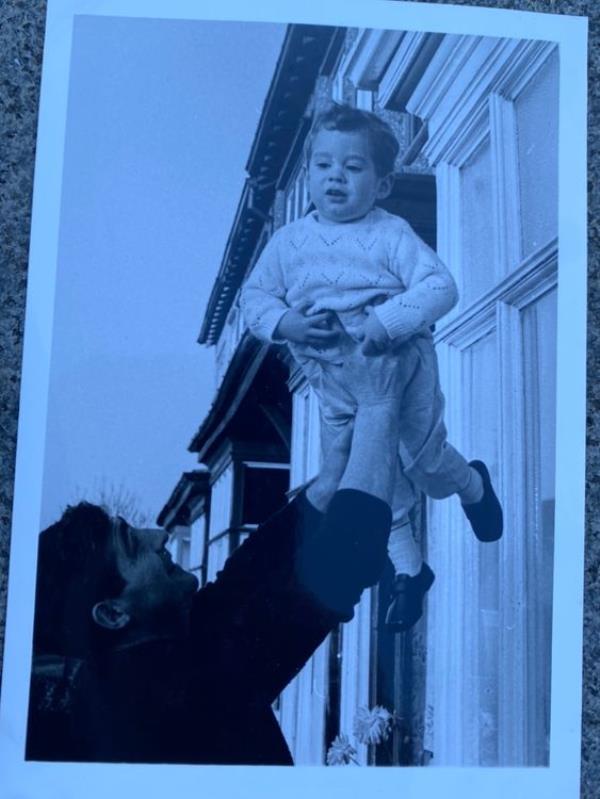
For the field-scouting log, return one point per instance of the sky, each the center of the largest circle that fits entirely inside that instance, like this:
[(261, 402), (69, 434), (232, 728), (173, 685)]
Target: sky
[(160, 120)]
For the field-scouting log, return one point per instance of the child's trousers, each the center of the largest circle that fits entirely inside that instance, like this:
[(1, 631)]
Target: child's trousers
[(427, 461)]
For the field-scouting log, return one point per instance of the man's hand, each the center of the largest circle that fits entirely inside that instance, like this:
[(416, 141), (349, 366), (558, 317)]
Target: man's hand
[(373, 335), (373, 380), (316, 330)]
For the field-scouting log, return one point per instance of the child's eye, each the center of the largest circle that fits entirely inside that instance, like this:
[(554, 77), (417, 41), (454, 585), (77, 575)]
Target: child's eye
[(322, 164), (354, 168)]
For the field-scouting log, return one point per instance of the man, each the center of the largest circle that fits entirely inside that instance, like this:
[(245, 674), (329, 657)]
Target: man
[(131, 664)]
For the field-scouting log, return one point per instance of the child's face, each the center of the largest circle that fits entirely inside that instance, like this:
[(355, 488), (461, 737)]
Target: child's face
[(342, 179)]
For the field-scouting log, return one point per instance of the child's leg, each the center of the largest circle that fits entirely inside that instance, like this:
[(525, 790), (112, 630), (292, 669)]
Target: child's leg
[(337, 411), (321, 490), (433, 464), (403, 550), (413, 577)]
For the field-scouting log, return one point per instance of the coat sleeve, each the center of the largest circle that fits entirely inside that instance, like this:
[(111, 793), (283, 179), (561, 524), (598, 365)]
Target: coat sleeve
[(289, 584), (430, 288), (262, 298)]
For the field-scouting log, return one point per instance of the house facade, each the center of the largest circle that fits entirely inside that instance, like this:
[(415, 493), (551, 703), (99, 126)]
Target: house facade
[(477, 121)]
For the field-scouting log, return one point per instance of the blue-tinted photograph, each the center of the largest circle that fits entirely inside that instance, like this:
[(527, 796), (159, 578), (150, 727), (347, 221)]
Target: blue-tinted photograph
[(298, 491)]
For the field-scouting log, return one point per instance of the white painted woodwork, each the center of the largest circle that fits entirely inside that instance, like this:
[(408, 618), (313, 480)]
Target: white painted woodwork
[(197, 536), (505, 176), (453, 94), (489, 634), (302, 704), (220, 520), (489, 630), (366, 60), (397, 68), (229, 339), (356, 644)]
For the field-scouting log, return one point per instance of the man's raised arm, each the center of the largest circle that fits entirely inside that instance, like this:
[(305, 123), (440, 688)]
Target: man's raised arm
[(301, 572)]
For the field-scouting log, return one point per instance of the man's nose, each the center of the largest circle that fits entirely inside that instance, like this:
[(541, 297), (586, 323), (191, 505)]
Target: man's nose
[(155, 536)]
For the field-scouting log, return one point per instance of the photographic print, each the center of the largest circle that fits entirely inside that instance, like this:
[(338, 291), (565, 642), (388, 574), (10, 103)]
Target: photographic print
[(301, 448)]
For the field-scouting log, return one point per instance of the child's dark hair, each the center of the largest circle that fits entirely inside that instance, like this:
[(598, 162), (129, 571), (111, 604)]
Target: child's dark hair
[(382, 141)]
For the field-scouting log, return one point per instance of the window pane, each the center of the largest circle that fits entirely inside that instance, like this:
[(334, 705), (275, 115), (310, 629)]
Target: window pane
[(197, 542), (264, 493), (483, 412), (218, 552), (539, 334), (220, 514), (481, 415), (477, 225), (537, 135), (184, 554)]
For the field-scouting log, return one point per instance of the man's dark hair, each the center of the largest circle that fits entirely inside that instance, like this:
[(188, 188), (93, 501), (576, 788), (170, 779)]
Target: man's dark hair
[(76, 569), (382, 141)]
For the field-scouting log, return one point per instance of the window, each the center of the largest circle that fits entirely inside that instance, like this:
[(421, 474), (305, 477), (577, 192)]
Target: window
[(537, 110), (539, 367), (305, 441), (489, 627), (219, 551), (297, 200), (220, 522), (263, 493), (197, 539), (481, 411), (477, 224)]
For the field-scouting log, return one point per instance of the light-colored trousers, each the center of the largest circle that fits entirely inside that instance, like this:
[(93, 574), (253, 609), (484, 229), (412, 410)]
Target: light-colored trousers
[(426, 461)]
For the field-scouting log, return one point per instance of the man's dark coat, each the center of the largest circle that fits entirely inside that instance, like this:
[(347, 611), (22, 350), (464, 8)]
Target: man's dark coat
[(209, 699)]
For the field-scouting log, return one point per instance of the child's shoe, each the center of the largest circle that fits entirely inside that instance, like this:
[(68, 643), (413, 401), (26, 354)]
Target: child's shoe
[(408, 593), (485, 516)]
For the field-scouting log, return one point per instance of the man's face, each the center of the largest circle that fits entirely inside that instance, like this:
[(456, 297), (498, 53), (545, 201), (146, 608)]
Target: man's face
[(343, 182), (157, 592)]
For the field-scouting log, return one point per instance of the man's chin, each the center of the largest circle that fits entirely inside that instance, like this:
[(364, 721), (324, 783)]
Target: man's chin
[(187, 582)]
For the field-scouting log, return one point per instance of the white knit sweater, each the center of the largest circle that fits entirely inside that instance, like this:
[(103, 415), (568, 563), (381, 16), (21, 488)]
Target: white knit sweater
[(377, 261)]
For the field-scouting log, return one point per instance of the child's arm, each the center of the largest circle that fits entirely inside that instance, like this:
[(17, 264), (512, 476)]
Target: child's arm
[(430, 288), (267, 314), (262, 299)]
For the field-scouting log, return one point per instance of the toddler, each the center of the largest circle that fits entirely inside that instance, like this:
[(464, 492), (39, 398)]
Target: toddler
[(350, 274)]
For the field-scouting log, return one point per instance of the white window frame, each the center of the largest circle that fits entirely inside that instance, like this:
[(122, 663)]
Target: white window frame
[(458, 124), (500, 310)]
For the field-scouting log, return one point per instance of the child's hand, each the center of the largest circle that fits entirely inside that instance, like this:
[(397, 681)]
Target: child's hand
[(314, 330), (373, 335)]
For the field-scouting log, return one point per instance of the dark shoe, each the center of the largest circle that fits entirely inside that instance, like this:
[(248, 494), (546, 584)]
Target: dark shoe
[(406, 607), (485, 516)]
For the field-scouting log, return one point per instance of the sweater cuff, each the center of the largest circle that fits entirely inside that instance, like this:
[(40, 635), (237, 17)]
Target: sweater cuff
[(268, 323), (396, 323)]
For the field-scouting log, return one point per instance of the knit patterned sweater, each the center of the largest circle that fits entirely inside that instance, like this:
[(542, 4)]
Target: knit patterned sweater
[(376, 261)]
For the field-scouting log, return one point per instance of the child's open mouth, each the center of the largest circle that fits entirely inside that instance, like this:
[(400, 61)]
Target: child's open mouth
[(335, 194)]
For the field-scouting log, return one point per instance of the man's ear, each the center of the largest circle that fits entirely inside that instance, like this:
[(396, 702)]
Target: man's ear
[(110, 614), (385, 186)]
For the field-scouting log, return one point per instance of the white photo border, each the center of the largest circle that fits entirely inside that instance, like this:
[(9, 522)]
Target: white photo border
[(561, 777)]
